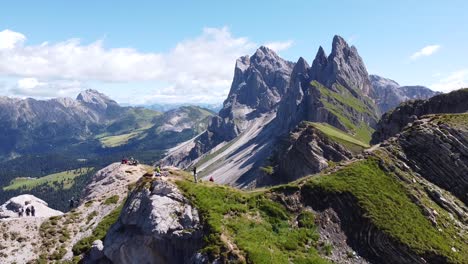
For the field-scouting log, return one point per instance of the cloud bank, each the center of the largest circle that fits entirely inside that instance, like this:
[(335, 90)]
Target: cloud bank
[(197, 69), (454, 81)]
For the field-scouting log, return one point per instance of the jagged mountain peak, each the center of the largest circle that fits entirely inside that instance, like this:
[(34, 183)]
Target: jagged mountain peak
[(339, 42), (98, 101), (343, 66), (301, 65), (265, 51), (93, 96)]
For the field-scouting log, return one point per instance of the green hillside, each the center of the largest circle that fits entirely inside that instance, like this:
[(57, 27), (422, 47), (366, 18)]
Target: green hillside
[(350, 142), (53, 180)]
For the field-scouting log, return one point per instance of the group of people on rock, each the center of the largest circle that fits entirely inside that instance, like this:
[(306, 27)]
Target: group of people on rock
[(27, 209), (73, 203)]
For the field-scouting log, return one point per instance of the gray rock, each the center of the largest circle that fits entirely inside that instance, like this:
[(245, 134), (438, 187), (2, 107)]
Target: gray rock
[(388, 94), (343, 66), (157, 226)]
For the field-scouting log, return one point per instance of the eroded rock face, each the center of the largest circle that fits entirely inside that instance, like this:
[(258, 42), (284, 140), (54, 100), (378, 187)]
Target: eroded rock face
[(438, 152), (259, 83), (393, 122), (308, 152), (343, 66), (156, 226)]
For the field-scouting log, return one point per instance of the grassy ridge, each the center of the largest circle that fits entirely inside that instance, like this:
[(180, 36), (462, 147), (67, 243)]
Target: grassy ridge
[(388, 206), (351, 142), (260, 227), (51, 180)]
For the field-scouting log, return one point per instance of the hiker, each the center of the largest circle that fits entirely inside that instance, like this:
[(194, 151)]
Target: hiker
[(33, 210), (20, 212), (124, 160), (195, 173), (72, 203), (157, 171), (28, 211), (211, 179)]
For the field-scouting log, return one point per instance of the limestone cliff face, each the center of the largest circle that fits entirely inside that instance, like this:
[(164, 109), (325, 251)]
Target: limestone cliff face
[(307, 151), (259, 83), (393, 122), (343, 66), (322, 92)]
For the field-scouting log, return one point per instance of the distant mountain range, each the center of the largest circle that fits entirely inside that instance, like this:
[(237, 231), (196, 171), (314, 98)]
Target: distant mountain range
[(44, 137), (388, 94), (166, 107)]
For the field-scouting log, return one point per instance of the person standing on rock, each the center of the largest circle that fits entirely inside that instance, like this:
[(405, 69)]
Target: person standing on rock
[(33, 210), (28, 211), (20, 212), (72, 203), (195, 174)]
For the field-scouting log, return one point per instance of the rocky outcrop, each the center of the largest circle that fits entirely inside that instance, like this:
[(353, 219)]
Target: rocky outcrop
[(156, 226), (307, 151), (11, 208), (437, 149), (393, 122), (388, 94)]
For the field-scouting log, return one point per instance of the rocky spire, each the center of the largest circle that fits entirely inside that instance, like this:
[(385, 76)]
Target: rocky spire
[(319, 65), (343, 66)]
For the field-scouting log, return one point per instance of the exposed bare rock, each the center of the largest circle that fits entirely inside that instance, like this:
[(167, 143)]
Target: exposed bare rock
[(343, 66), (11, 208), (438, 151), (393, 122), (307, 152), (259, 83), (156, 226)]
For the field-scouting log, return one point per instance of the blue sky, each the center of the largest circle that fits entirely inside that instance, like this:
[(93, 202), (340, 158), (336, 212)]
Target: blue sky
[(184, 51)]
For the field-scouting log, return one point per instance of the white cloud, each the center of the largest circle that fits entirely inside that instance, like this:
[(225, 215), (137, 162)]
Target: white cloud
[(32, 87), (454, 81), (279, 45), (426, 51), (201, 67), (10, 39)]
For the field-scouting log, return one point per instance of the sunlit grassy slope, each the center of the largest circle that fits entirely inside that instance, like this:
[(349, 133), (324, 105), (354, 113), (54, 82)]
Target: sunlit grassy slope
[(29, 183)]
